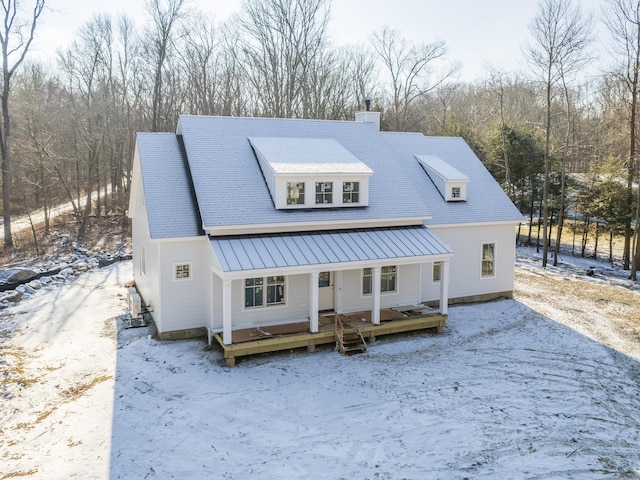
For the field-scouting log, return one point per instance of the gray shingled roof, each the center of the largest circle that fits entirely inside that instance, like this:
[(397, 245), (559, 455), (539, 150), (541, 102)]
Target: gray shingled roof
[(171, 206), (486, 201), (231, 190), (324, 248)]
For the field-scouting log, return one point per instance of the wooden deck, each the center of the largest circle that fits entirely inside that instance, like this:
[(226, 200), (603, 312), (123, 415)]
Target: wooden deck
[(252, 341)]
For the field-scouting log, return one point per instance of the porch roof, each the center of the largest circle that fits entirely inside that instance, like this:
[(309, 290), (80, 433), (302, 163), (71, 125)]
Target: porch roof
[(255, 252)]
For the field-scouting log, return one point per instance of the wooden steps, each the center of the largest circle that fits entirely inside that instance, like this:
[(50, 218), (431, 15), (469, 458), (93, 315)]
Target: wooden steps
[(349, 341)]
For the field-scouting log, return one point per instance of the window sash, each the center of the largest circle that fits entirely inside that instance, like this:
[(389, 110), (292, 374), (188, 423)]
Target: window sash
[(255, 289), (488, 259), (388, 280), (275, 290), (367, 281), (437, 271), (183, 271), (324, 192), (350, 192)]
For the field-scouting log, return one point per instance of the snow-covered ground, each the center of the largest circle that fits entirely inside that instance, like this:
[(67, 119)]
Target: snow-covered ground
[(505, 392)]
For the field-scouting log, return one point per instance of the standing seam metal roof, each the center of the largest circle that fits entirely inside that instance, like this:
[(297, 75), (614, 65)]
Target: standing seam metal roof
[(244, 253)]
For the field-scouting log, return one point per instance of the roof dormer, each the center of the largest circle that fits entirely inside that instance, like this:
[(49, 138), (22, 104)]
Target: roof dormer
[(450, 182), (311, 173)]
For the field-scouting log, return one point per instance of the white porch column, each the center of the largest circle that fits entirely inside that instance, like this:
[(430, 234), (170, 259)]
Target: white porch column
[(313, 301), (226, 312), (212, 300), (444, 287), (375, 312), (337, 291)]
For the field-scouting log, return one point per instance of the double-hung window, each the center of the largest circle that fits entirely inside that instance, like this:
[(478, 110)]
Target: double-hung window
[(324, 192), (388, 280), (275, 290), (455, 192), (253, 292), (255, 288), (488, 259), (350, 192)]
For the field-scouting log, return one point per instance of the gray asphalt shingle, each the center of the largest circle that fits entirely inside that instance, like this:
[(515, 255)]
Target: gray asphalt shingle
[(171, 205), (227, 187)]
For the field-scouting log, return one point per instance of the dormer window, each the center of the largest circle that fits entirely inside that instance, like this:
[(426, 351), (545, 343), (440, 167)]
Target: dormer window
[(350, 192), (295, 193), (322, 165), (324, 192), (450, 182)]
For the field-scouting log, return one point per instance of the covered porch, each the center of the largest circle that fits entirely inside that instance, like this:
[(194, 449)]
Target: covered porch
[(289, 336), (273, 292)]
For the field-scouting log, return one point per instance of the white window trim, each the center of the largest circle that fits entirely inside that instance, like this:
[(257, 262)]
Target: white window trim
[(264, 297), (391, 292), (433, 266), (350, 192), (495, 249), (323, 193), (175, 272)]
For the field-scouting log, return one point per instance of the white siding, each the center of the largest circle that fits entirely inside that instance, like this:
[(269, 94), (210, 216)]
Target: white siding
[(430, 290), (295, 310), (185, 303), (147, 283), (310, 190), (407, 291), (465, 278)]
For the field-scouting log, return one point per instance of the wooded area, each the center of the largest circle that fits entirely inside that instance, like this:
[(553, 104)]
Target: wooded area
[(562, 145)]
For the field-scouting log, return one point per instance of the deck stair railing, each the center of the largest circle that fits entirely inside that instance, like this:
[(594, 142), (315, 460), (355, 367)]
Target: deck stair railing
[(349, 341)]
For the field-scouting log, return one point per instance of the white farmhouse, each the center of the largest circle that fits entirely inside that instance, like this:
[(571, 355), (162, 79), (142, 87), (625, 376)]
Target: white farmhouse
[(264, 234)]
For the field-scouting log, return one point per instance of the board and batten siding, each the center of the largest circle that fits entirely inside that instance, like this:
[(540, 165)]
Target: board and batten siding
[(465, 275), (185, 302)]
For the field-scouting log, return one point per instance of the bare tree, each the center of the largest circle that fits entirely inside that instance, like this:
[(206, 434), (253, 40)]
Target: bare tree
[(410, 70), (16, 35), (160, 40), (496, 85), (360, 72), (284, 42), (622, 18), (560, 32)]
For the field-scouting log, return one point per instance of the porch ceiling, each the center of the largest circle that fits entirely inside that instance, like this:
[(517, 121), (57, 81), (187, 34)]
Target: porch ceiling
[(256, 252)]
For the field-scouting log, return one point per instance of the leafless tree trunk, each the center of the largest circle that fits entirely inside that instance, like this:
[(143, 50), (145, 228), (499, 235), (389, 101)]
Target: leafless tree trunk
[(561, 33), (160, 38), (622, 18), (16, 35), (496, 85), (284, 44)]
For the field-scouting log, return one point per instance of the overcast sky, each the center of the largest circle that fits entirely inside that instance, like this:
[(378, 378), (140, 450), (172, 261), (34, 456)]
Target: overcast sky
[(478, 33)]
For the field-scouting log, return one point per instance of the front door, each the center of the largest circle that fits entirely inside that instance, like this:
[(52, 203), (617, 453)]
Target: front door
[(325, 293)]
